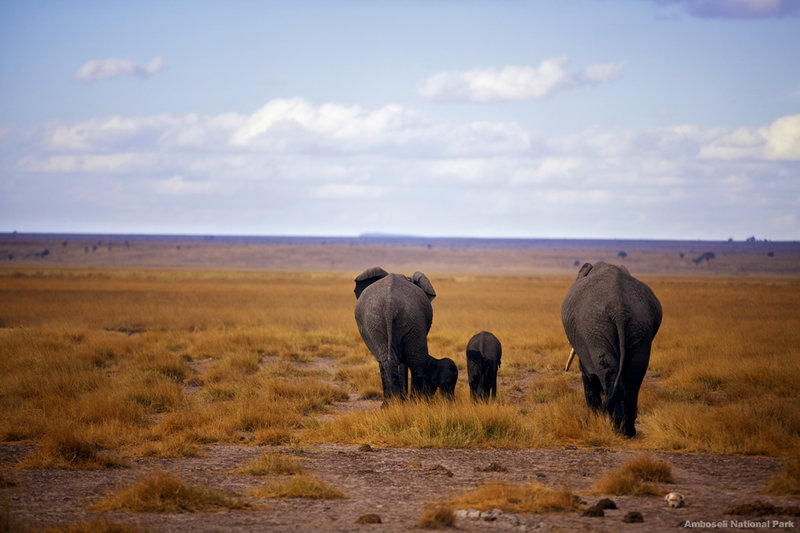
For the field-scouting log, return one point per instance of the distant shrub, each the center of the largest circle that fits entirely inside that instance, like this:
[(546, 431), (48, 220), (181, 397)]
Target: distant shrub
[(705, 256)]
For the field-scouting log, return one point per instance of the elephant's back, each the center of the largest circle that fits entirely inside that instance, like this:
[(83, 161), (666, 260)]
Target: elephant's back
[(484, 343), (395, 295), (610, 294)]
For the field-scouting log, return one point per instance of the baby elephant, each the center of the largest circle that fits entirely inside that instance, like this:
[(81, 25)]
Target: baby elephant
[(483, 360), (442, 375)]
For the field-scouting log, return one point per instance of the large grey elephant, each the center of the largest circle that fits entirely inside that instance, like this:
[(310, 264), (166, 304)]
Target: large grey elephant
[(394, 316), (483, 360), (610, 319)]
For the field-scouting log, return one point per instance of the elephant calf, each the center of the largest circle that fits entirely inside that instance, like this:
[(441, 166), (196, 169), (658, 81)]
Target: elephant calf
[(483, 360), (394, 316), (611, 319), (442, 375)]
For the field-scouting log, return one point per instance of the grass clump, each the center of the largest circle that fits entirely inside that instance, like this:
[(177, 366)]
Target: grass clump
[(636, 477), (307, 486), (271, 463), (533, 498), (163, 492), (787, 483), (64, 447), (437, 517), (432, 424), (93, 526)]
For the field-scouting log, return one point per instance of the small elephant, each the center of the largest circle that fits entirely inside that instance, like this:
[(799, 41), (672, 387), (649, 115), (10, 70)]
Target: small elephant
[(394, 316), (483, 360), (442, 375), (611, 319)]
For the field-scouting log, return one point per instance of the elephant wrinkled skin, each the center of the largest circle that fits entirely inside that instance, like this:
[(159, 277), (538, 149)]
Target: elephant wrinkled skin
[(611, 319)]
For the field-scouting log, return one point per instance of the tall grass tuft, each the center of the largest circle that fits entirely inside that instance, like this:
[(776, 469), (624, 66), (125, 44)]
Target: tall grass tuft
[(636, 477), (532, 498), (63, 447), (787, 483), (434, 424), (163, 492), (439, 516), (308, 486)]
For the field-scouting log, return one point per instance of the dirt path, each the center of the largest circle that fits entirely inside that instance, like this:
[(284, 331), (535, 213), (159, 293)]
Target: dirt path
[(396, 484)]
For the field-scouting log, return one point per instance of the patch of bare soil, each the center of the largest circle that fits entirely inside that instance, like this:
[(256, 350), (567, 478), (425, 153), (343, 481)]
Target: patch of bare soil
[(397, 484)]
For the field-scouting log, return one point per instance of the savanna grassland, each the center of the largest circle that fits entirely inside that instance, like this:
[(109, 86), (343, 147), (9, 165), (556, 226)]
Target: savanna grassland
[(261, 377)]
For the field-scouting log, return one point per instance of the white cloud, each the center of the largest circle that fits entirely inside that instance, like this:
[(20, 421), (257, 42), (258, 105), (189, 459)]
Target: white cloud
[(321, 162), (178, 186), (513, 83), (116, 163), (103, 69), (296, 125), (284, 123), (347, 190), (778, 141), (783, 138)]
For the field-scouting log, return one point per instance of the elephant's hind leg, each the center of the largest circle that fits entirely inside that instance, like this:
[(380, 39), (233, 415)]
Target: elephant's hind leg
[(390, 379), (593, 392), (627, 419)]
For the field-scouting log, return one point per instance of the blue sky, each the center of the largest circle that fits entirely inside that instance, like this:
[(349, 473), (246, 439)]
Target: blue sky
[(657, 119)]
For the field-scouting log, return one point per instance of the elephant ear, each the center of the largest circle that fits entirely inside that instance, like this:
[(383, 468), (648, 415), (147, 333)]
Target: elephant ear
[(421, 280), (584, 271), (367, 278)]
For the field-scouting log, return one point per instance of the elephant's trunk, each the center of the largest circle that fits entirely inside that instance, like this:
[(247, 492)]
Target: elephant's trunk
[(569, 360)]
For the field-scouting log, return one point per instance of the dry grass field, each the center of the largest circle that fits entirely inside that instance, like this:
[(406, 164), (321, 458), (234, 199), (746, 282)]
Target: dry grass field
[(110, 368)]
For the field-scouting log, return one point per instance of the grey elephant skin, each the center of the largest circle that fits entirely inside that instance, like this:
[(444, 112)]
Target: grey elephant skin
[(394, 316), (610, 319), (483, 359)]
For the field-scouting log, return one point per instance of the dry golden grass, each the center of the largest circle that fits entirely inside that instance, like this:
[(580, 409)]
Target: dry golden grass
[(532, 498), (439, 516), (787, 483), (161, 363), (271, 463), (636, 477), (101, 525), (301, 486), (61, 447), (163, 492)]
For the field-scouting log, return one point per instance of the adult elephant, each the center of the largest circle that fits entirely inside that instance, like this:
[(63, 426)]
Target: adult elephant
[(483, 360), (610, 319), (394, 316)]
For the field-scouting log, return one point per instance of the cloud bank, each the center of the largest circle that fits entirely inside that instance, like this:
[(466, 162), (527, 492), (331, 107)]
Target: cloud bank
[(298, 167), (514, 83), (103, 69)]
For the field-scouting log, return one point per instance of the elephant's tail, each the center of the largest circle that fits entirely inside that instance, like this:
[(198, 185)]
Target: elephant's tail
[(611, 394)]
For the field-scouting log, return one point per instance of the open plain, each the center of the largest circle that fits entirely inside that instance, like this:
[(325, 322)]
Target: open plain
[(233, 365)]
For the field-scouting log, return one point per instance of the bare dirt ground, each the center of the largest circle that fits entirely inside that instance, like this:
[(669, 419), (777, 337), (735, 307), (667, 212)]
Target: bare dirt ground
[(397, 484)]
